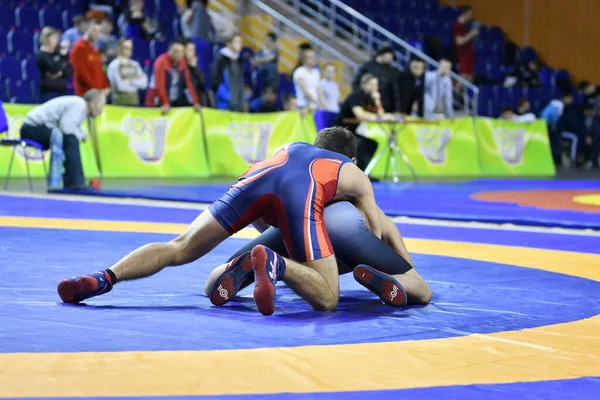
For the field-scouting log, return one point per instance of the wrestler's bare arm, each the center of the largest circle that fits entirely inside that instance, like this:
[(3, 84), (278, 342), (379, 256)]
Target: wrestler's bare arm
[(392, 237), (355, 186)]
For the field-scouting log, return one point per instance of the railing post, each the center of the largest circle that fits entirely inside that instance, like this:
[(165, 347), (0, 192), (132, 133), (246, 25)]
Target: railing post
[(297, 10), (332, 19), (370, 39)]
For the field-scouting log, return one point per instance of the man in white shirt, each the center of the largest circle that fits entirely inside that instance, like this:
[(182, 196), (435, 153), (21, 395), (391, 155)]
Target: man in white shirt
[(306, 83), (438, 98), (56, 125), (330, 88), (126, 76), (524, 113)]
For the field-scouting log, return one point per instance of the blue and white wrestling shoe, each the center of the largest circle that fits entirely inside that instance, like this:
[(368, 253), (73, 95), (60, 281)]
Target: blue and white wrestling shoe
[(231, 280)]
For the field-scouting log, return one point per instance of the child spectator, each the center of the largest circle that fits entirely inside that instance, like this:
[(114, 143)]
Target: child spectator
[(330, 88)]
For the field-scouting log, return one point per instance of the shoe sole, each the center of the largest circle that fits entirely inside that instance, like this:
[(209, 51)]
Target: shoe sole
[(392, 292), (224, 288), (264, 291), (73, 292)]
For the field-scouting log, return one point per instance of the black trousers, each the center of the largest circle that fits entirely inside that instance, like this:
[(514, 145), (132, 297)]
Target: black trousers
[(366, 149), (73, 170)]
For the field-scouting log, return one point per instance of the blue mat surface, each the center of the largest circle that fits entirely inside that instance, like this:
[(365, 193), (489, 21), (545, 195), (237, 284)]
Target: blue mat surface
[(462, 303), (450, 201)]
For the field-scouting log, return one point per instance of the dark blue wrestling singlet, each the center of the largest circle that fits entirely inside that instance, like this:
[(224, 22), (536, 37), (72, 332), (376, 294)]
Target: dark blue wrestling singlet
[(289, 191)]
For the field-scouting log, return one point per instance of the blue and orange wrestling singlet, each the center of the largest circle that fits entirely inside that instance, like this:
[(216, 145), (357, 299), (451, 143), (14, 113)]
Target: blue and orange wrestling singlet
[(289, 191)]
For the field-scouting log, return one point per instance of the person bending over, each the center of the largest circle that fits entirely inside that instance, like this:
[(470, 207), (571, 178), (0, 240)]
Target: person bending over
[(289, 191), (354, 245)]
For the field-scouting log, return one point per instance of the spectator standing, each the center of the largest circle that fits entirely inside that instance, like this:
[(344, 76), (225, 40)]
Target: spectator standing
[(266, 103), (330, 88), (412, 88), (196, 19), (552, 113), (73, 34), (56, 125), (589, 92), (363, 104), (388, 77), (438, 91), (134, 24), (205, 96), (462, 40), (171, 80), (107, 42), (228, 76), (126, 76), (266, 60), (591, 135), (306, 82), (54, 67), (88, 71)]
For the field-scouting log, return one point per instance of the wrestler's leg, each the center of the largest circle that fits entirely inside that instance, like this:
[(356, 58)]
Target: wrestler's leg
[(204, 234), (270, 238), (355, 244)]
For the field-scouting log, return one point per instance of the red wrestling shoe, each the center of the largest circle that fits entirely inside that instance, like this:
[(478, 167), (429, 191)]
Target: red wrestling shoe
[(389, 290), (268, 267), (80, 288), (231, 280)]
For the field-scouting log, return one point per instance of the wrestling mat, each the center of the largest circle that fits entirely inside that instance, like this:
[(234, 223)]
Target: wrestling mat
[(515, 314), (551, 203)]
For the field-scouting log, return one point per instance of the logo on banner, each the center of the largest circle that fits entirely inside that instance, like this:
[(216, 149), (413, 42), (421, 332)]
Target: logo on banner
[(511, 144), (15, 121), (147, 137), (250, 139), (433, 142)]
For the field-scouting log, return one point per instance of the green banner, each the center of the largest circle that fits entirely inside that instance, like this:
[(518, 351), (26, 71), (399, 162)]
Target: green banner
[(16, 114), (141, 142), (441, 148), (515, 148), (237, 140)]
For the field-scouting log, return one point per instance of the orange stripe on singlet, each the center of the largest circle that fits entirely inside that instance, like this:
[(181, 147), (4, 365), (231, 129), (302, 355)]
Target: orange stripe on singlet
[(278, 160), (322, 171)]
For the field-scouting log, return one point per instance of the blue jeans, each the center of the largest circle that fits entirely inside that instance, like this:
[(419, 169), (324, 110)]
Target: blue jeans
[(64, 151)]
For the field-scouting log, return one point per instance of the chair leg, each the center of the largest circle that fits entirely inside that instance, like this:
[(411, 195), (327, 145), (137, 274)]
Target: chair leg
[(12, 157), (27, 165), (45, 170)]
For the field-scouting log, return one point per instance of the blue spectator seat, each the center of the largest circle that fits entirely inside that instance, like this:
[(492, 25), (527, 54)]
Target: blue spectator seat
[(8, 16), (19, 91), (29, 70), (9, 68), (51, 17), (20, 43), (27, 18), (141, 49), (157, 48)]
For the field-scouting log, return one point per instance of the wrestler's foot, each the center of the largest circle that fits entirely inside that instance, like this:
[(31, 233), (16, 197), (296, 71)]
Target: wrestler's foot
[(389, 290), (231, 280), (77, 289), (268, 267)]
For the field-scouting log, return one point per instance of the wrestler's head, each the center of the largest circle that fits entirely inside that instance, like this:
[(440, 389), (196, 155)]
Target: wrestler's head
[(337, 139)]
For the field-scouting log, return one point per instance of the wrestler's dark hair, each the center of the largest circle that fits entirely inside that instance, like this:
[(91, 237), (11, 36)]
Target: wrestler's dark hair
[(337, 139)]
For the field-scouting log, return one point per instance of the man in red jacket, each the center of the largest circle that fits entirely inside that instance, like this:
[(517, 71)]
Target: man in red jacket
[(171, 81), (87, 63)]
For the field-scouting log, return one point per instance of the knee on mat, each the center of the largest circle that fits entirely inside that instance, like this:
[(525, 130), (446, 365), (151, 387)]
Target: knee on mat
[(423, 295), (325, 304)]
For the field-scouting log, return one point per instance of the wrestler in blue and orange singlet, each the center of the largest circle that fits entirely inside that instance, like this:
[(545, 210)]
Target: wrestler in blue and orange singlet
[(289, 191)]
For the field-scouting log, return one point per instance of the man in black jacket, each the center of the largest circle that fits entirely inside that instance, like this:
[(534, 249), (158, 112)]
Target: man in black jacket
[(228, 76), (388, 76), (412, 87)]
